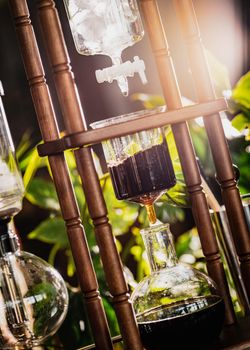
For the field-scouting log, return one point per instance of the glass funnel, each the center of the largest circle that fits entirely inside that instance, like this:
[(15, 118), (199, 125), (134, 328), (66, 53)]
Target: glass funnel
[(139, 164), (176, 304), (11, 185), (107, 27)]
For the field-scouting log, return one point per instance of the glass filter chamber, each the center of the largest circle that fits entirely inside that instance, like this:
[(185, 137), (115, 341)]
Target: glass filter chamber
[(139, 164)]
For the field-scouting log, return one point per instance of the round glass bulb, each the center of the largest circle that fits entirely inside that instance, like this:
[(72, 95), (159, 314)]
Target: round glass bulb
[(33, 300)]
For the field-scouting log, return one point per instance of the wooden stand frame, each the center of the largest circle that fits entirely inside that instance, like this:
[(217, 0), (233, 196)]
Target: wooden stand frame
[(79, 138)]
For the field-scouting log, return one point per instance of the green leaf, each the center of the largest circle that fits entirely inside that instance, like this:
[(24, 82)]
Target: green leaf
[(70, 159), (71, 268), (242, 159), (177, 195), (142, 218), (241, 92), (51, 231), (166, 212), (171, 145), (149, 101), (43, 194), (80, 198), (182, 244), (23, 146), (122, 214), (34, 162), (52, 255), (241, 121), (136, 251), (111, 316), (240, 105)]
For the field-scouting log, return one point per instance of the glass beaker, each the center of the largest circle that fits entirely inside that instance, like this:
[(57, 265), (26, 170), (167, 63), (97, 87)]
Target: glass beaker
[(176, 304), (11, 185), (139, 164)]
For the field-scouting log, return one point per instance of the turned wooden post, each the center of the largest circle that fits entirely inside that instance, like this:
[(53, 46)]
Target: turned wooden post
[(186, 152), (217, 140), (48, 126), (75, 122)]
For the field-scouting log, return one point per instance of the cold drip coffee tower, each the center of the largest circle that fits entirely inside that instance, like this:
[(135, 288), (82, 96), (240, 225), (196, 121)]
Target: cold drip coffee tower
[(169, 300), (33, 296)]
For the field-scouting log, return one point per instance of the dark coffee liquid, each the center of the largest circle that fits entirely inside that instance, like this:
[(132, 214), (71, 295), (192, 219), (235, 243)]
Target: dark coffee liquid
[(144, 176), (189, 325)]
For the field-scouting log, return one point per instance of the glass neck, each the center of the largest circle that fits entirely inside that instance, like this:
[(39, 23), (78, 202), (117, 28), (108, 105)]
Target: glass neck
[(159, 247), (8, 239)]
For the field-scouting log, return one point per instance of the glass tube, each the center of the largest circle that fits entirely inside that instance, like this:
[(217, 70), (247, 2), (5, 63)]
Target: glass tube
[(11, 185)]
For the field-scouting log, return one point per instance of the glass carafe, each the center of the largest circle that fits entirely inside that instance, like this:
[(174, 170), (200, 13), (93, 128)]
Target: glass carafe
[(176, 305)]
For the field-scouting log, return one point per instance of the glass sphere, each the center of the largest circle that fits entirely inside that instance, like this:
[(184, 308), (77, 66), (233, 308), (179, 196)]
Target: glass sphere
[(33, 300), (176, 304)]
